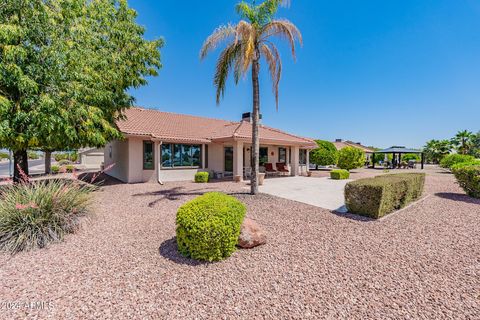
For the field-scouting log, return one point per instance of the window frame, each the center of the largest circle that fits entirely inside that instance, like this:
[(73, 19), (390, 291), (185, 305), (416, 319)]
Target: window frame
[(280, 149), (145, 142)]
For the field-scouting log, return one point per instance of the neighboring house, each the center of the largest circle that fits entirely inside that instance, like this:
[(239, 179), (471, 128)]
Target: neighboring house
[(340, 144), (91, 157), (161, 146)]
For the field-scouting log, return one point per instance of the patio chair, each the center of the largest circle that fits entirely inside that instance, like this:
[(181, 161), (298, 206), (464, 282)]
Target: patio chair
[(282, 168), (247, 172), (269, 170)]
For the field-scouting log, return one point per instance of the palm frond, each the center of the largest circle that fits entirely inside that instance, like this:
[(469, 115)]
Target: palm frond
[(246, 10), (284, 29), (224, 64), (268, 8), (272, 56), (220, 34)]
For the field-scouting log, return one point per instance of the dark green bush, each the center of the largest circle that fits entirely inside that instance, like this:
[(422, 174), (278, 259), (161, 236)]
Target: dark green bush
[(208, 226), (201, 177), (73, 156), (35, 214), (350, 158), (376, 197), (468, 177), (452, 159), (55, 169), (339, 174), (33, 155), (69, 168)]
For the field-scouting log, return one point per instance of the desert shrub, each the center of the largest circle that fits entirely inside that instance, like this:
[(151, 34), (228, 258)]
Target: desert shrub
[(381, 195), (468, 177), (325, 155), (55, 169), (208, 226), (4, 155), (33, 155), (201, 177), (457, 166), (452, 159), (69, 168), (35, 214), (64, 162), (350, 158), (339, 174), (72, 157)]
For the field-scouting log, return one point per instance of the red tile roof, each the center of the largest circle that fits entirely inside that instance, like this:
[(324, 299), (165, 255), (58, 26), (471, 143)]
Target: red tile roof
[(342, 144), (185, 128)]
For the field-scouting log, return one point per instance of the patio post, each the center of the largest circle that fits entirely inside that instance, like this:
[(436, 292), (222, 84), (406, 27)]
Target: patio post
[(308, 159), (238, 159), (295, 161)]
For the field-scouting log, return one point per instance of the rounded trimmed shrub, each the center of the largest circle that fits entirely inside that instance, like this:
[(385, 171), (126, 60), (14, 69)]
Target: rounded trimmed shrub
[(350, 158), (208, 226), (468, 177), (452, 159), (201, 177), (339, 174), (55, 169)]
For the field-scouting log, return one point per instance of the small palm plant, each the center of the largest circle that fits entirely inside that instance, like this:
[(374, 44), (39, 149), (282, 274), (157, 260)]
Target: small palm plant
[(247, 42)]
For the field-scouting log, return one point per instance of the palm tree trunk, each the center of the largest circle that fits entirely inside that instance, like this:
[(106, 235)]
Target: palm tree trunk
[(20, 166), (255, 120)]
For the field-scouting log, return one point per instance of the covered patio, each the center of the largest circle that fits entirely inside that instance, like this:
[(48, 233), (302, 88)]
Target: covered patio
[(397, 153)]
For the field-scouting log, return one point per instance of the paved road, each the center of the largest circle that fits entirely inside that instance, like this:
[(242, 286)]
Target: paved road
[(34, 167)]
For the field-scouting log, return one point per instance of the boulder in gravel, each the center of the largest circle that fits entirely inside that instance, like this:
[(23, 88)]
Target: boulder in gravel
[(251, 235)]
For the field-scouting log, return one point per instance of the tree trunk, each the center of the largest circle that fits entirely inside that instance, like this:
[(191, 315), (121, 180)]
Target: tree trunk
[(255, 120), (20, 166), (48, 162)]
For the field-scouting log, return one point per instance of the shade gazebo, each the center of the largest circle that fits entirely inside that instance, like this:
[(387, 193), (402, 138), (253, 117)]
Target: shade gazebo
[(397, 152)]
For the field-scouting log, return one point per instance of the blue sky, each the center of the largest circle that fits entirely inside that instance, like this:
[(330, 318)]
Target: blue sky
[(379, 72)]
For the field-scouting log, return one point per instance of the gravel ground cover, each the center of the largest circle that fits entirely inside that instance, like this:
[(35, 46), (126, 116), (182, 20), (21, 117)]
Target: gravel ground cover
[(420, 263)]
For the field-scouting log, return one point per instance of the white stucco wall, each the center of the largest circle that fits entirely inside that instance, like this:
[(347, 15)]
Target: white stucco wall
[(136, 173), (92, 158), (116, 154)]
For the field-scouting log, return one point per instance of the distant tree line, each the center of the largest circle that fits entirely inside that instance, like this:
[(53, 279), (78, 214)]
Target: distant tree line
[(464, 142)]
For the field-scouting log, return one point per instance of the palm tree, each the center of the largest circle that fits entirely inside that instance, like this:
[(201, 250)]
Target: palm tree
[(463, 141), (435, 150), (247, 42)]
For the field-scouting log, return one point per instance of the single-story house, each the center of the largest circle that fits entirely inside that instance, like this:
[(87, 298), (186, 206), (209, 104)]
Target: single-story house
[(162, 146)]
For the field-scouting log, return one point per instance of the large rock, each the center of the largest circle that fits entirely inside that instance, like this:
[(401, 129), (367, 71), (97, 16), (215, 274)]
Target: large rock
[(251, 234)]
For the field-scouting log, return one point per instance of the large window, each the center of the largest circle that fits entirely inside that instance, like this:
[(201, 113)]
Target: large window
[(148, 155), (181, 155), (282, 155), (303, 156), (263, 156)]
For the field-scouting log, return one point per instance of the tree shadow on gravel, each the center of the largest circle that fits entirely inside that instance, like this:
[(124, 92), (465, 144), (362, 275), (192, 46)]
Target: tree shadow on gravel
[(175, 193), (457, 197), (351, 216), (169, 250)]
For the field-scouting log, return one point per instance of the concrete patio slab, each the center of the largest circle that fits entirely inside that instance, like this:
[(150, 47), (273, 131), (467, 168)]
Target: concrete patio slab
[(320, 192)]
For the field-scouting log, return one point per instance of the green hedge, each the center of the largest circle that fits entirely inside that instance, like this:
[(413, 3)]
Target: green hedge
[(339, 174), (201, 177), (468, 177), (208, 226), (465, 164), (381, 195), (4, 155), (55, 169), (452, 159)]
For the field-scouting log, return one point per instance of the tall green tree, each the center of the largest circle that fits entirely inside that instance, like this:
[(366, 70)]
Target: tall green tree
[(326, 154), (436, 150), (246, 43), (463, 141), (65, 70)]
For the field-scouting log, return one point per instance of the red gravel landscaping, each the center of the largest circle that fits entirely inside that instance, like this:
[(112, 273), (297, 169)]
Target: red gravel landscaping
[(420, 263)]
